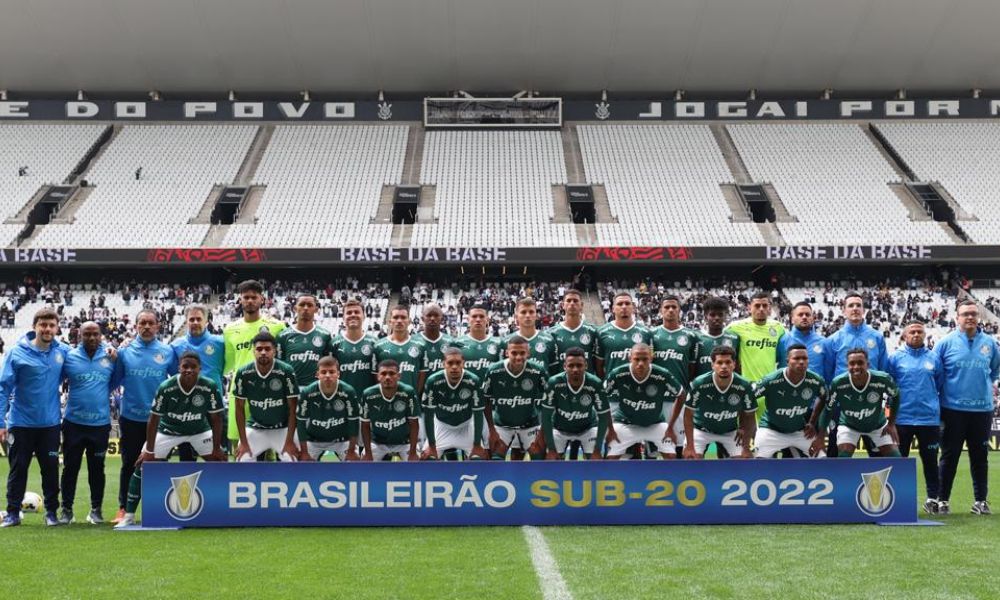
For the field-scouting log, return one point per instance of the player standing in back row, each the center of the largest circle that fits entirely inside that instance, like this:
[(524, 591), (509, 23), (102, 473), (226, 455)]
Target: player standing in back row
[(573, 332), (616, 339), (238, 339), (304, 343)]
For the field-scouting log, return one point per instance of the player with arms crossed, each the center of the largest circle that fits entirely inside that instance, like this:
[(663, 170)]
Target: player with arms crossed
[(513, 389), (453, 412), (861, 395), (266, 397), (328, 418), (790, 394), (574, 409), (642, 393), (389, 416), (187, 409), (720, 409)]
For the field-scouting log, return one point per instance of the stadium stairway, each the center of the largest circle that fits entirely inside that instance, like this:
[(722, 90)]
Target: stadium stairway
[(425, 208), (254, 155), (574, 157), (737, 208), (68, 210), (205, 212), (22, 215), (592, 310), (414, 155), (383, 214), (560, 205), (602, 208), (918, 212), (731, 155), (96, 151)]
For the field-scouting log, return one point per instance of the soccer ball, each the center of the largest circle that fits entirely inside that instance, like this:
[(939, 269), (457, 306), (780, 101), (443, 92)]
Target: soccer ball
[(31, 502)]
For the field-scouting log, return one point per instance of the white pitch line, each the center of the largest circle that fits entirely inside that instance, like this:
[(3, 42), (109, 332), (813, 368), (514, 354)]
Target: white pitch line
[(549, 578)]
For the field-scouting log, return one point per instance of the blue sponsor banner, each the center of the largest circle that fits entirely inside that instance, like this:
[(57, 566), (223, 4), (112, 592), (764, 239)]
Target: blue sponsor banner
[(685, 492)]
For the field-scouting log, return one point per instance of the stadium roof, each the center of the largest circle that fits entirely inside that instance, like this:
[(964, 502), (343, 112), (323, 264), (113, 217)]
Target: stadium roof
[(560, 46)]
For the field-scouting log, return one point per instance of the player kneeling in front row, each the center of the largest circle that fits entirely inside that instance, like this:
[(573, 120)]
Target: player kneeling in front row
[(328, 415), (643, 392), (453, 411), (862, 395), (269, 387), (574, 409), (513, 389), (720, 409), (788, 395), (389, 416), (188, 409)]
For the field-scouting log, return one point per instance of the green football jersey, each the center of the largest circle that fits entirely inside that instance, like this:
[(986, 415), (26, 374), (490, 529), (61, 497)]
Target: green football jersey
[(389, 417), (479, 354), (303, 350), (186, 412), (707, 343), (357, 361), (515, 398), (641, 402), (409, 355), (614, 345), (787, 407), (583, 337), (434, 352), (541, 350), (236, 337), (452, 405), (325, 419), (758, 348), (575, 411), (267, 394), (674, 351), (864, 409), (718, 411)]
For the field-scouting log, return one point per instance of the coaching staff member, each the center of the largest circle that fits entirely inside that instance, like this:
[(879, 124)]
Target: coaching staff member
[(971, 362)]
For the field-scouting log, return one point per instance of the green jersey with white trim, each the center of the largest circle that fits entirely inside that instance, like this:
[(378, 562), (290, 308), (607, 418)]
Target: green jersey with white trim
[(266, 395), (864, 409), (515, 398), (641, 402), (303, 350), (434, 352), (575, 411), (707, 343), (452, 405), (357, 361), (787, 407), (718, 411), (541, 350), (479, 354), (186, 412), (674, 351), (390, 417), (583, 337), (325, 419), (409, 355), (614, 345)]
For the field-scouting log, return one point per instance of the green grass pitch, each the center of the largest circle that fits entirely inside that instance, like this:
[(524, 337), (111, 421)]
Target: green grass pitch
[(958, 560)]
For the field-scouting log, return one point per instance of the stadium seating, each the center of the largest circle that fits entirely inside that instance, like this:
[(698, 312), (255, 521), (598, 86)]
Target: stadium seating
[(831, 177), (180, 164), (963, 157), (48, 153), (323, 186), (493, 188), (662, 183)]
